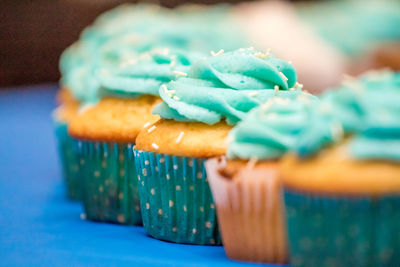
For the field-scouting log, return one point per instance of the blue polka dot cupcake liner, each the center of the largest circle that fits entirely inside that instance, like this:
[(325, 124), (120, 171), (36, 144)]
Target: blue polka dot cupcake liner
[(109, 178), (343, 231), (69, 161), (175, 199)]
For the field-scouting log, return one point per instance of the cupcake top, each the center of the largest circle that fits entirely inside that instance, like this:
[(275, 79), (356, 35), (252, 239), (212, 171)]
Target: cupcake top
[(227, 86), (367, 24), (368, 108), (145, 73), (126, 32), (281, 125)]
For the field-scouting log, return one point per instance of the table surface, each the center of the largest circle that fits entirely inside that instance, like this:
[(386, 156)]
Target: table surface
[(40, 227)]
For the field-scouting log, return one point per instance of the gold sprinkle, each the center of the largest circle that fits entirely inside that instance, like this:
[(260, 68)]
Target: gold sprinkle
[(220, 52), (155, 146), (178, 140), (283, 76), (179, 73), (254, 93), (147, 124), (152, 128), (276, 89)]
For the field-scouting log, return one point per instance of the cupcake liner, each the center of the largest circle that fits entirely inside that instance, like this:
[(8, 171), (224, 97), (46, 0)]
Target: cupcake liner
[(69, 161), (175, 199), (250, 215), (343, 231), (110, 192)]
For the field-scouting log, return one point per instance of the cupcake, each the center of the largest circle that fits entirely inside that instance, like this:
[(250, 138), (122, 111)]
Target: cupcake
[(246, 186), (197, 113), (342, 196), (106, 132), (65, 112), (125, 35)]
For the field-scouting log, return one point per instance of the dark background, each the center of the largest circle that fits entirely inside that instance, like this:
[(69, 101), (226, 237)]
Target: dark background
[(33, 33)]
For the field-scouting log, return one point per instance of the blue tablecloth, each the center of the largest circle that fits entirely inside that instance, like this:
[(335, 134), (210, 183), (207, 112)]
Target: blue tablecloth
[(39, 227)]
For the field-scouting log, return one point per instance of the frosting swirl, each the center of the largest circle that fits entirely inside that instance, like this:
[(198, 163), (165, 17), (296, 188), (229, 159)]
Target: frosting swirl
[(227, 86), (129, 30), (145, 74), (281, 125), (379, 135)]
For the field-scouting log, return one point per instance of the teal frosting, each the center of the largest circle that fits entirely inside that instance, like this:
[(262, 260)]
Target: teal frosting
[(369, 110), (368, 24), (227, 86), (379, 136), (281, 125), (145, 74), (127, 31)]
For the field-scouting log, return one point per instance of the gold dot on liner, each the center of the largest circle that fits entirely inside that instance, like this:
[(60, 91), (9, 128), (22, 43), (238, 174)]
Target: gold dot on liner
[(122, 172), (162, 160), (121, 218), (144, 171), (190, 162), (156, 168), (147, 206), (96, 174), (142, 183), (121, 195), (171, 203), (208, 224), (178, 188), (107, 181), (83, 216), (137, 207), (184, 208), (146, 162), (152, 191), (212, 206), (175, 167), (167, 176), (121, 157), (191, 188), (103, 164), (201, 209), (199, 175), (174, 229), (194, 230), (212, 241), (101, 189), (160, 211)]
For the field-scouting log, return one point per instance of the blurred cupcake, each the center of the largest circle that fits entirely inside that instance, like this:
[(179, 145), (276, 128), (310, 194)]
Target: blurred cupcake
[(246, 187), (106, 132), (65, 112), (198, 111), (342, 201)]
